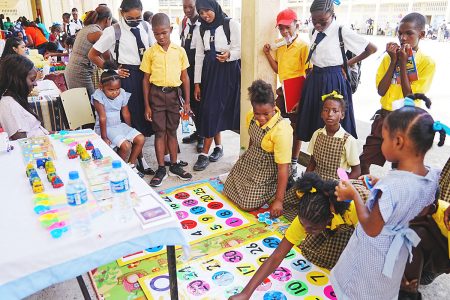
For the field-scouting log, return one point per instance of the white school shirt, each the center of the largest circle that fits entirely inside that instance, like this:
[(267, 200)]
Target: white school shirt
[(186, 31), (221, 44), (73, 27), (328, 53), (128, 50)]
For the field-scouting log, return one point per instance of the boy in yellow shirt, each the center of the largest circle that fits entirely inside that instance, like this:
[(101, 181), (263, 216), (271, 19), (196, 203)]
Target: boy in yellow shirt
[(165, 66), (289, 62), (410, 31)]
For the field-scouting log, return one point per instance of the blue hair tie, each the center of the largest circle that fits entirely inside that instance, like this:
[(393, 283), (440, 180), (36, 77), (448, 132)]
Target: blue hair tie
[(409, 102), (438, 126)]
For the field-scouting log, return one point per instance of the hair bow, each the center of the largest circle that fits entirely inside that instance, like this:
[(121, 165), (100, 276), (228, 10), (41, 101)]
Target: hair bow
[(438, 126), (333, 94), (311, 191), (397, 104)]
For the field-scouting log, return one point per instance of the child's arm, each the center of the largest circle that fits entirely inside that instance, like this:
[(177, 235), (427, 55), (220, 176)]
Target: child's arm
[(126, 115), (311, 165), (371, 221), (273, 63), (102, 120), (385, 83), (186, 89), (403, 60), (276, 208), (355, 172), (265, 270), (370, 49), (146, 90)]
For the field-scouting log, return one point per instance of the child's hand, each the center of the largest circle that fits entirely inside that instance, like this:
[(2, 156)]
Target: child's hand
[(372, 180), (123, 73), (148, 114), (106, 140), (403, 53), (345, 191), (187, 108), (266, 49), (197, 92), (223, 56), (391, 49), (276, 209), (447, 218)]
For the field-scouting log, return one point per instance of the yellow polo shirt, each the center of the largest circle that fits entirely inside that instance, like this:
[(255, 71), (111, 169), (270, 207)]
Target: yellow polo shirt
[(165, 67), (296, 232), (279, 138), (425, 69), (438, 217), (291, 59)]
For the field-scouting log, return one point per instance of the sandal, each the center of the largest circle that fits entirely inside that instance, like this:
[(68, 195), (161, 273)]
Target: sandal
[(160, 175)]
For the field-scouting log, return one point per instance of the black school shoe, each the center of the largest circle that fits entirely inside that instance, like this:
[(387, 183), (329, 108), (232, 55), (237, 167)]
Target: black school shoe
[(160, 175), (201, 163), (177, 170), (141, 169), (190, 139), (180, 163), (402, 295), (216, 155)]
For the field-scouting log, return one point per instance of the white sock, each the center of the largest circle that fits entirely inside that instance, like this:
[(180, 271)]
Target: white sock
[(220, 146), (167, 157), (206, 155), (144, 163), (133, 167)]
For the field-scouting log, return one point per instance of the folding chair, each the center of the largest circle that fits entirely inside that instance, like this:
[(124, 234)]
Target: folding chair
[(77, 108)]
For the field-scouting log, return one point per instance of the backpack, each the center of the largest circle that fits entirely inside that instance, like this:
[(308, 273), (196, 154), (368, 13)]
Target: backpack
[(183, 27), (353, 73), (118, 33), (226, 29)]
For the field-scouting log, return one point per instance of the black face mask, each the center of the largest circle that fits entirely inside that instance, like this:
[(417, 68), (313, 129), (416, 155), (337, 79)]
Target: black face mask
[(133, 23)]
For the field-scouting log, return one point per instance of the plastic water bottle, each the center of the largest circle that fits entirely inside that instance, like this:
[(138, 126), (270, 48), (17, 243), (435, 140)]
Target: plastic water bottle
[(120, 189), (80, 217), (5, 146)]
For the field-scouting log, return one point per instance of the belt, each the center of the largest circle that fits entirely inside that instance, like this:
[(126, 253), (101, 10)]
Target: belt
[(165, 89)]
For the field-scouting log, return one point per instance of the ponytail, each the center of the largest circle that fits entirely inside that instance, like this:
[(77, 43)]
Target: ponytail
[(101, 13)]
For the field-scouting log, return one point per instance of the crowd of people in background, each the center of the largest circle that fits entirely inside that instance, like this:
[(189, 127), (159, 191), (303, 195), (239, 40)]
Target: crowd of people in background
[(136, 93)]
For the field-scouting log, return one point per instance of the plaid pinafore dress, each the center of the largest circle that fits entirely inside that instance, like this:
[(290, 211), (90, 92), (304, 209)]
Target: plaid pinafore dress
[(444, 182), (327, 153), (252, 181)]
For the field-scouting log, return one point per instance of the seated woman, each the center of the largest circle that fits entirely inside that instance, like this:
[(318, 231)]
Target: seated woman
[(261, 173), (17, 79), (321, 230), (14, 45)]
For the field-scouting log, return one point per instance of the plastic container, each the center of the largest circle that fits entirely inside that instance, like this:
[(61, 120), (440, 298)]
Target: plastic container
[(185, 123), (120, 190), (5, 146), (79, 214)]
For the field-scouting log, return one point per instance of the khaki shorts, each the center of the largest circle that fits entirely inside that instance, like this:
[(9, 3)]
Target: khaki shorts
[(165, 108)]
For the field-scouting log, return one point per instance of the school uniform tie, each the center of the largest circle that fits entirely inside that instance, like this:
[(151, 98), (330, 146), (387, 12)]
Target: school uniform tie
[(212, 44), (188, 38), (140, 45), (319, 37)]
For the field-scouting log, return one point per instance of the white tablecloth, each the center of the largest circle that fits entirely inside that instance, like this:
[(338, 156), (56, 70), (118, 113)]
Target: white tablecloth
[(31, 260)]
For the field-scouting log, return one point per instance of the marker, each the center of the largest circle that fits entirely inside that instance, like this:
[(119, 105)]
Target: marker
[(342, 174)]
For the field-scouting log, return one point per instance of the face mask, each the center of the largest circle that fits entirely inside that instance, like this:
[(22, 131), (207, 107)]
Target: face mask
[(133, 23)]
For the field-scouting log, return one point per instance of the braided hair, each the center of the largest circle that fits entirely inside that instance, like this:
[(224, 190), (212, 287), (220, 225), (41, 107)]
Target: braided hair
[(416, 123), (325, 6), (318, 194), (110, 73)]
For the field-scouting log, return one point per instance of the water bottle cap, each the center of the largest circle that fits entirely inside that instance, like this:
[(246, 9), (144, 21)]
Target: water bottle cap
[(73, 175), (116, 164)]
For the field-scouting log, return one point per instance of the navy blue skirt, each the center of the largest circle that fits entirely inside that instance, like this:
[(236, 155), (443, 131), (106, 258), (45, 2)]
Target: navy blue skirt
[(220, 96), (319, 82), (133, 85)]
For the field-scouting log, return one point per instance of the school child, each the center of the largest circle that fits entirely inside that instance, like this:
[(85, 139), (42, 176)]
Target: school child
[(190, 25), (127, 42), (331, 147), (444, 183), (261, 173), (17, 80), (111, 102), (321, 229), (161, 95), (289, 62), (372, 264), (217, 77), (327, 74), (411, 31)]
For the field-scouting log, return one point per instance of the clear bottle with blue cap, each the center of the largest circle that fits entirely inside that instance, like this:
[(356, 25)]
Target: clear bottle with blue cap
[(120, 190), (80, 217)]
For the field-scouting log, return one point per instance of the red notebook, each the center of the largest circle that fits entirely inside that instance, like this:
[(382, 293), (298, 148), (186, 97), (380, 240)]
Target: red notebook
[(292, 91)]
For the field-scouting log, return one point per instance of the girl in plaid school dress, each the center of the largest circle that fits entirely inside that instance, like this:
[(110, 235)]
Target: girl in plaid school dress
[(261, 173), (372, 264), (321, 228)]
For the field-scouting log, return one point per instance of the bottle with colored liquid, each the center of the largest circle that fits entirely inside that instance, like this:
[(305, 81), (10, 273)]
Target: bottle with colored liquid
[(80, 217)]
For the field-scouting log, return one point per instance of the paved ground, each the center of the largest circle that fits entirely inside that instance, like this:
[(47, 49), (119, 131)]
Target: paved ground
[(366, 103)]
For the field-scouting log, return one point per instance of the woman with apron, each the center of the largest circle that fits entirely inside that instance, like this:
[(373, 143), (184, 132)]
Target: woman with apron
[(127, 41)]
